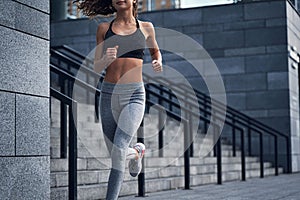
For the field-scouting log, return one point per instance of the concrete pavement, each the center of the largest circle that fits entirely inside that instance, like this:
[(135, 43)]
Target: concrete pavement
[(282, 187)]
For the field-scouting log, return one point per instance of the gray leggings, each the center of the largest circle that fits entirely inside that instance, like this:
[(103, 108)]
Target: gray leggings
[(122, 109)]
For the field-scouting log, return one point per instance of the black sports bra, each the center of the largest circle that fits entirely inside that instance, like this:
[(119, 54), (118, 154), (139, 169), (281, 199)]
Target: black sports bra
[(130, 46)]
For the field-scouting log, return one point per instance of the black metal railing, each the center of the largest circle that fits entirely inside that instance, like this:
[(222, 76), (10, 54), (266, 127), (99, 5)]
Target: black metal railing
[(202, 109), (232, 117), (72, 158), (71, 80)]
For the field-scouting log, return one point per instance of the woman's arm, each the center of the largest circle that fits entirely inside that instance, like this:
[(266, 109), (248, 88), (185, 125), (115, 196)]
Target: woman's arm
[(103, 59), (153, 47)]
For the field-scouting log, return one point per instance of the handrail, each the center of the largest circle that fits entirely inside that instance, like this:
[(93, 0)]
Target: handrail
[(77, 63), (169, 113), (72, 160), (73, 51), (63, 73), (229, 109), (236, 120), (198, 93)]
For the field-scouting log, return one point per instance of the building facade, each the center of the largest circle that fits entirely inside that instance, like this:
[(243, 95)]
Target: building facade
[(24, 100), (251, 44)]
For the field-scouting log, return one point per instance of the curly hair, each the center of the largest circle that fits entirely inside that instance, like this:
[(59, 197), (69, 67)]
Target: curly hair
[(92, 8)]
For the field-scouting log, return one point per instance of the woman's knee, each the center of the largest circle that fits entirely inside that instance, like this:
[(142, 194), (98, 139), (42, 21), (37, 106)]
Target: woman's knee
[(118, 157)]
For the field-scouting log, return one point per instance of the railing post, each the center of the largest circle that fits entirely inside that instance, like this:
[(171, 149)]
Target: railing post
[(261, 155), (63, 122), (161, 133), (141, 176), (73, 151), (233, 138), (147, 108), (97, 114), (186, 156), (63, 130), (160, 125), (205, 115), (191, 132), (219, 155), (88, 101), (249, 142), (276, 154), (243, 155)]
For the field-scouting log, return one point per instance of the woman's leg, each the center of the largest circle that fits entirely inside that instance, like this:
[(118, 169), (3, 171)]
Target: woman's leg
[(129, 121), (109, 119)]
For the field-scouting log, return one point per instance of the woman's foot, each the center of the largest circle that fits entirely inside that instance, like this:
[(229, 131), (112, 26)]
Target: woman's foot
[(135, 165)]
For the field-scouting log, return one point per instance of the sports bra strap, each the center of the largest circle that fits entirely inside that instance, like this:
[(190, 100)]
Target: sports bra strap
[(137, 23)]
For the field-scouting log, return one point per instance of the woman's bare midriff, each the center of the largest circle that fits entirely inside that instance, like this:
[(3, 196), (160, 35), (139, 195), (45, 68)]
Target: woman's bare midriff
[(124, 70)]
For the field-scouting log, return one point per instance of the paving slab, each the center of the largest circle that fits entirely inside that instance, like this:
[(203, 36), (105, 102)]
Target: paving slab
[(282, 187)]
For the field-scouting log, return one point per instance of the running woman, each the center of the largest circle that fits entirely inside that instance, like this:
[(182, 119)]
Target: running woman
[(120, 51)]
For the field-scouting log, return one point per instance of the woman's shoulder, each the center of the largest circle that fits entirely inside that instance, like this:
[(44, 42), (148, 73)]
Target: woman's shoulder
[(147, 28), (103, 26), (102, 29), (146, 24)]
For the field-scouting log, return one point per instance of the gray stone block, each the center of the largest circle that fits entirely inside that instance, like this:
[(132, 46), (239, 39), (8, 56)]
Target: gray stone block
[(264, 10), (71, 28), (24, 63), (82, 47), (61, 41), (221, 14), (292, 14), (232, 65), (245, 51), (293, 38), (7, 124), (25, 178), (276, 22), (245, 82), (197, 37), (275, 99), (43, 5), (228, 39), (257, 113), (295, 145), (237, 100), (32, 21), (200, 28), (266, 63), (278, 80), (7, 16), (281, 124), (84, 39), (265, 36), (279, 112), (32, 125), (244, 25), (219, 53), (154, 17), (173, 18), (59, 193), (277, 49)]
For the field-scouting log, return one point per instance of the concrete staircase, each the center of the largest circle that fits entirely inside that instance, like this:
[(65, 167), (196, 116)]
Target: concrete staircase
[(161, 173)]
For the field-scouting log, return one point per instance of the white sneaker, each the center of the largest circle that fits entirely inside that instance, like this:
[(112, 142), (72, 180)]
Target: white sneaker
[(135, 165)]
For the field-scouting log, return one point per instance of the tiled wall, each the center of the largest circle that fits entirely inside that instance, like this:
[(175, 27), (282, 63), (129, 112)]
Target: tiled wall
[(24, 99)]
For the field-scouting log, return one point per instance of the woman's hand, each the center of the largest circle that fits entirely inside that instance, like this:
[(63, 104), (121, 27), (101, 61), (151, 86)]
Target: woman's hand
[(157, 66), (110, 55)]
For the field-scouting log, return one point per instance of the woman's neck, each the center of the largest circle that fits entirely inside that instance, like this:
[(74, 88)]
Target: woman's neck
[(125, 17)]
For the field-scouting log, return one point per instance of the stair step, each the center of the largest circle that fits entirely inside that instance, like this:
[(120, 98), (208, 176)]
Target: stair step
[(60, 165), (99, 176), (98, 191)]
